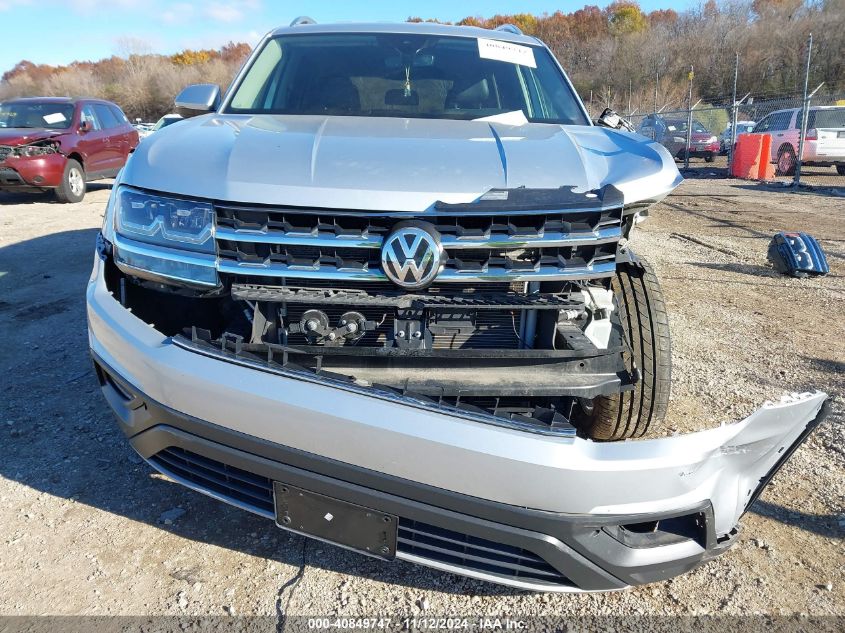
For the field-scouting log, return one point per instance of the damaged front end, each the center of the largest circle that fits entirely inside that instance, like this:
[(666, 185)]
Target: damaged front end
[(35, 164), (518, 322), (248, 351)]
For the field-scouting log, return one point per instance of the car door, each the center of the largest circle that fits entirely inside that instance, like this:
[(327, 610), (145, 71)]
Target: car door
[(780, 133), (116, 148), (128, 134), (92, 141)]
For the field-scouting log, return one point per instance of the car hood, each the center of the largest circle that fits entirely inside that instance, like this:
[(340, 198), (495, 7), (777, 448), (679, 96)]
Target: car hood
[(24, 136), (390, 163)]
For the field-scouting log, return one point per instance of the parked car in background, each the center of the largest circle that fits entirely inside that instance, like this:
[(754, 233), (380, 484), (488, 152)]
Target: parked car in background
[(742, 127), (672, 134), (144, 128), (823, 147), (167, 119), (61, 144)]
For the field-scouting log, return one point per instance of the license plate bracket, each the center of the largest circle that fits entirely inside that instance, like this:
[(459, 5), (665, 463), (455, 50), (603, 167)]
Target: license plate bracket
[(349, 525)]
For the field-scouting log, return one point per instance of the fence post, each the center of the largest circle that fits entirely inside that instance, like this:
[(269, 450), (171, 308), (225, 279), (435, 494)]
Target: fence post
[(656, 82), (804, 114), (689, 119), (734, 108)]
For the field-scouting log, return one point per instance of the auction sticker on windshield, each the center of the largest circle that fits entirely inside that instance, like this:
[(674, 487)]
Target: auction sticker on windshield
[(506, 52), (52, 119)]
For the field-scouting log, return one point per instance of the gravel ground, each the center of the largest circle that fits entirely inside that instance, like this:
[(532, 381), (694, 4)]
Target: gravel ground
[(89, 529)]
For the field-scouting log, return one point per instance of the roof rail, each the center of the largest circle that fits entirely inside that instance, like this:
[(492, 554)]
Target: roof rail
[(510, 28), (303, 19)]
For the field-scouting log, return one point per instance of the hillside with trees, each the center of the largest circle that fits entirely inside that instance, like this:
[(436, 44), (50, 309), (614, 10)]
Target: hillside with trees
[(620, 48), (139, 81), (618, 54)]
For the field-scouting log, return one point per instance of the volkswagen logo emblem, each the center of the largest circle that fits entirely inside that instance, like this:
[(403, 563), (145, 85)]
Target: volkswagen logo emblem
[(411, 256)]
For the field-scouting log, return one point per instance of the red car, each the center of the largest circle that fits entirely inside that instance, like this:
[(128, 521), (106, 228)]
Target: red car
[(672, 134), (62, 144)]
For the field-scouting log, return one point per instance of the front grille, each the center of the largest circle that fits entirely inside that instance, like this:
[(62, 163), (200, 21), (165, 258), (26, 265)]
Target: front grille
[(477, 554), (344, 245), (234, 484), (5, 150), (456, 549)]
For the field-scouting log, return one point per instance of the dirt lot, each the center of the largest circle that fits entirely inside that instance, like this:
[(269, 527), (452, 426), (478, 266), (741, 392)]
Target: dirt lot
[(84, 521)]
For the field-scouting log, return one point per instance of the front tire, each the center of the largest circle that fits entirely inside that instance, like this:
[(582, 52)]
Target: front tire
[(645, 323), (840, 169), (786, 162), (709, 158), (73, 187)]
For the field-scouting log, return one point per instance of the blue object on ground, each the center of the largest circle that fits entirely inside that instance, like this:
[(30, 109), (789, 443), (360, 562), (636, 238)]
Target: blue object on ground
[(797, 254)]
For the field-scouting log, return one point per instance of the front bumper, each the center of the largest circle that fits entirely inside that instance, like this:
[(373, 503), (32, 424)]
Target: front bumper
[(702, 152), (36, 171), (560, 500)]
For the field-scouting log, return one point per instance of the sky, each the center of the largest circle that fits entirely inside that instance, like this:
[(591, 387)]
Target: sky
[(60, 31)]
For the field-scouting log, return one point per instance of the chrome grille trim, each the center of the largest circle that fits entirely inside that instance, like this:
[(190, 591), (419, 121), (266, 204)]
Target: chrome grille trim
[(496, 240), (540, 273), (320, 240), (480, 245)]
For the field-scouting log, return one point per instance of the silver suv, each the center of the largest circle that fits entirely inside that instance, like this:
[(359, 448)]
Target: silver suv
[(382, 293)]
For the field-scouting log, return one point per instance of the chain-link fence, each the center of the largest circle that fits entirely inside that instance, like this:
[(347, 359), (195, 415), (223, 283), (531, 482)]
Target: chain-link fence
[(703, 138), (806, 132)]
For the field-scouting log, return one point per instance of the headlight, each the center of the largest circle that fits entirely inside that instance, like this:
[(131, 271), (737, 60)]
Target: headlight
[(165, 221), (165, 239), (712, 139), (34, 150)]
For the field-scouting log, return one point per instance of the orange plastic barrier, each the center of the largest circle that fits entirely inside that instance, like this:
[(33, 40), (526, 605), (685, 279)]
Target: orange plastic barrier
[(746, 159), (752, 157), (767, 170)]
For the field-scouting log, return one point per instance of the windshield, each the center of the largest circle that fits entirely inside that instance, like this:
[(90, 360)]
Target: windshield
[(400, 75), (37, 114), (680, 125)]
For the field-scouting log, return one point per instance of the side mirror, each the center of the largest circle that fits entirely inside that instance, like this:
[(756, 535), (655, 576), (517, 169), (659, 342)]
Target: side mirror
[(198, 99), (611, 119), (84, 126)]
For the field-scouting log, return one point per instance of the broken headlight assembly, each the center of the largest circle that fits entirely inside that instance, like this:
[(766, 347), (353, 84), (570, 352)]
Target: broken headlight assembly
[(30, 151), (165, 239)]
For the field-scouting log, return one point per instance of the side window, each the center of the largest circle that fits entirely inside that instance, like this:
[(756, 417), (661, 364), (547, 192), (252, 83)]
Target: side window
[(118, 113), (764, 125), (87, 114), (780, 121), (106, 116)]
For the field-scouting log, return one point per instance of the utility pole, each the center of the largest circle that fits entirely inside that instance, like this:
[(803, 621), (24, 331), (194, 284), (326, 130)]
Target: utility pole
[(689, 118), (630, 84), (804, 113), (734, 108), (591, 104)]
